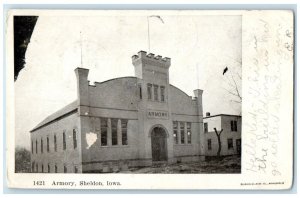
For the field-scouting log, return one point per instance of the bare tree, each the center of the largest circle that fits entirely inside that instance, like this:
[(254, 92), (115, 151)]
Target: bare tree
[(219, 141), (233, 82), (234, 89)]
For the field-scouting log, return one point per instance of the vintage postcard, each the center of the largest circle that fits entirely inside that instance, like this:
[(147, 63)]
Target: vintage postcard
[(122, 99)]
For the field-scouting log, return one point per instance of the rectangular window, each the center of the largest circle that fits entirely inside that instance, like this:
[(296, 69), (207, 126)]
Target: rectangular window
[(230, 143), (114, 131), (124, 132), (162, 93), (36, 146), (75, 169), (48, 168), (32, 147), (42, 146), (182, 132), (175, 132), (205, 127), (37, 168), (74, 139), (103, 132), (209, 144), (48, 147), (55, 143), (140, 91), (42, 168), (233, 124), (156, 92), (189, 132), (55, 168), (149, 91), (65, 169), (64, 141)]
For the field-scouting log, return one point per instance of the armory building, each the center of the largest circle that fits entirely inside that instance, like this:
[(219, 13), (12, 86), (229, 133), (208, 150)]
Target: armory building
[(120, 123)]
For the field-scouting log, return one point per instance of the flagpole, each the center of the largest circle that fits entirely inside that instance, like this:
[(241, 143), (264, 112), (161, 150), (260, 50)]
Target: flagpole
[(148, 34), (156, 16), (80, 49), (197, 77)]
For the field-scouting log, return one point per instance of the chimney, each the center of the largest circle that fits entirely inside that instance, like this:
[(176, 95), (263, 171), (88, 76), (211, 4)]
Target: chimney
[(82, 86), (207, 114), (198, 96)]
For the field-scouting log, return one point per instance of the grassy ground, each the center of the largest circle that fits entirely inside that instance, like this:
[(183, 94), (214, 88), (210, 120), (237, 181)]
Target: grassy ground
[(229, 164)]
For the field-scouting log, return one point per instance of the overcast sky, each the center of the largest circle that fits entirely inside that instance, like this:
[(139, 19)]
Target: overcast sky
[(200, 47)]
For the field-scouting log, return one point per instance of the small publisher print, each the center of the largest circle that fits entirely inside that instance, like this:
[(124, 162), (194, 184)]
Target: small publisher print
[(39, 183)]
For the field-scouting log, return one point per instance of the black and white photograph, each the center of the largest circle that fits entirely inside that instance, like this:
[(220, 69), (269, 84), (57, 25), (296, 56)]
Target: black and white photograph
[(137, 93)]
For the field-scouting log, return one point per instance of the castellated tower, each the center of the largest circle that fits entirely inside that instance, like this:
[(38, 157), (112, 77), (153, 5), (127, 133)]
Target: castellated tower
[(151, 67), (152, 72)]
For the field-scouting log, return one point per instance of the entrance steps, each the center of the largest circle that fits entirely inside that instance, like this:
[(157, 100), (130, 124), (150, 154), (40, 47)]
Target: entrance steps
[(159, 163)]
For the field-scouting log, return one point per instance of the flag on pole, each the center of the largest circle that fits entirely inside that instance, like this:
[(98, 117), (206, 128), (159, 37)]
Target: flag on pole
[(157, 16), (152, 16)]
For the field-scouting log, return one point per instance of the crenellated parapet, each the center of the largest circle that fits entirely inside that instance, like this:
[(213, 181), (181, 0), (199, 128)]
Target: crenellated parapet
[(150, 59)]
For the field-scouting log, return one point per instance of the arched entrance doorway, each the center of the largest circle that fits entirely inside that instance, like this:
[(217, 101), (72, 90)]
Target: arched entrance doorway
[(159, 144)]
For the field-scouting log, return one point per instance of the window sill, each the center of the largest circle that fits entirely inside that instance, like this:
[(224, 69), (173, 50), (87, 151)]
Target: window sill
[(150, 100), (115, 146), (183, 144)]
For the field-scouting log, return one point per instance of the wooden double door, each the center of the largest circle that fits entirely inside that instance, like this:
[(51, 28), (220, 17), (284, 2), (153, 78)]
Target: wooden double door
[(159, 144)]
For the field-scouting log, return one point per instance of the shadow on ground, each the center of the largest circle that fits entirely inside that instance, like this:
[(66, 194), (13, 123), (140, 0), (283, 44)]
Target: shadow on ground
[(229, 164)]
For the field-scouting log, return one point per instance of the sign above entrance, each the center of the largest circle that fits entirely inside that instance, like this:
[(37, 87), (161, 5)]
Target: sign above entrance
[(158, 114)]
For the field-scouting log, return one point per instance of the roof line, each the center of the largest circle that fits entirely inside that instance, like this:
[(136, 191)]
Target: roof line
[(221, 115), (114, 79), (180, 90), (56, 119)]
